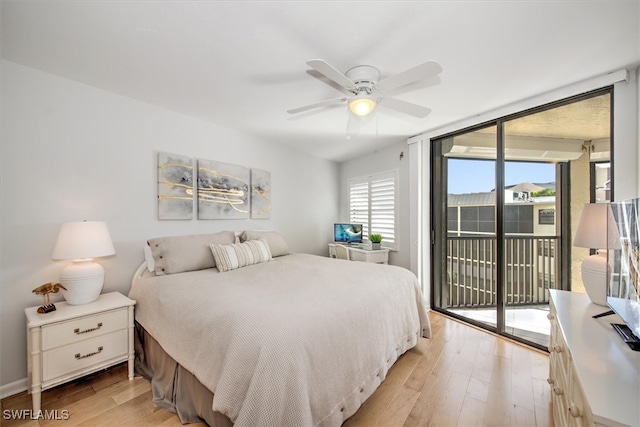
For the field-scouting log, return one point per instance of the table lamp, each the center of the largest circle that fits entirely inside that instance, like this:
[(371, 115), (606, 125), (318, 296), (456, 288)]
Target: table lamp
[(592, 233), (81, 241)]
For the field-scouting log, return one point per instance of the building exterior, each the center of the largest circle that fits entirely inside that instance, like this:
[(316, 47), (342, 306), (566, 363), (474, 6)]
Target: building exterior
[(530, 246)]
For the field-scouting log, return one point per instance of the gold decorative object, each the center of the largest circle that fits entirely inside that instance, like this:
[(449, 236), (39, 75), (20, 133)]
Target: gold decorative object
[(45, 290)]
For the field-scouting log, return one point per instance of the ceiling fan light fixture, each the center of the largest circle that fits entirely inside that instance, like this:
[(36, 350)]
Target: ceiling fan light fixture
[(362, 104)]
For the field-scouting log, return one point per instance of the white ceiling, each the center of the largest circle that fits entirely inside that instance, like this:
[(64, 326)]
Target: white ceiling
[(242, 64)]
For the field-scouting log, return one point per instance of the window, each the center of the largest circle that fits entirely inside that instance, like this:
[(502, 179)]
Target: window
[(547, 216), (373, 203)]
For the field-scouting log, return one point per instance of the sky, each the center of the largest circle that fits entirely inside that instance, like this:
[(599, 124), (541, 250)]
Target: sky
[(478, 176)]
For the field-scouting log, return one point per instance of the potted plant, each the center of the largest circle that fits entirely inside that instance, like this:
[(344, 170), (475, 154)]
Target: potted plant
[(375, 240)]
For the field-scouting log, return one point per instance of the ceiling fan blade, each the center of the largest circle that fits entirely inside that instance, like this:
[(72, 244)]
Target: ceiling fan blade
[(329, 71), (419, 72), (405, 107), (326, 103)]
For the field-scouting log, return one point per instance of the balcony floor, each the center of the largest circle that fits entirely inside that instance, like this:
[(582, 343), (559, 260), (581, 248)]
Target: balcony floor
[(530, 323)]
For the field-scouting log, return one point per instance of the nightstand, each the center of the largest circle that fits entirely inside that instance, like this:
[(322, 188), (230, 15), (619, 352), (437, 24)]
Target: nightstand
[(76, 340)]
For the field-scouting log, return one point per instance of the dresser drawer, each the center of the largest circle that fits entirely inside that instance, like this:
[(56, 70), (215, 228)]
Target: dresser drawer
[(577, 407), (83, 328), (82, 355), (560, 413)]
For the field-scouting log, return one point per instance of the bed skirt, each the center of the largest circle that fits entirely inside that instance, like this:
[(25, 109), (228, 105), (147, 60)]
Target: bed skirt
[(174, 388)]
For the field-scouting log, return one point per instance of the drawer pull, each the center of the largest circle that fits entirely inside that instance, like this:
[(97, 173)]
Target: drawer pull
[(89, 354), (551, 316), (557, 348), (575, 411), (77, 331), (558, 391)]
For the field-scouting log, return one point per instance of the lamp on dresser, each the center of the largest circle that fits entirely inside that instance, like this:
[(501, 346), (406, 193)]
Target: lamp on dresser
[(592, 232), (81, 241)]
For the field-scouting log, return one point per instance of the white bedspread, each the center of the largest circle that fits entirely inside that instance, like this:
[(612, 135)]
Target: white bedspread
[(301, 340)]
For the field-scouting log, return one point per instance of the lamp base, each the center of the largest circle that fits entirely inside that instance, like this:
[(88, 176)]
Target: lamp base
[(595, 274), (83, 280)]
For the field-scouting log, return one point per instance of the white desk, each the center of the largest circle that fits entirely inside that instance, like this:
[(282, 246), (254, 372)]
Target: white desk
[(379, 256)]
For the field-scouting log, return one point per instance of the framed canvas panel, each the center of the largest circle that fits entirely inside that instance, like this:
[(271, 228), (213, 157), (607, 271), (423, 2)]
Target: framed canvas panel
[(175, 187), (223, 190), (260, 194)]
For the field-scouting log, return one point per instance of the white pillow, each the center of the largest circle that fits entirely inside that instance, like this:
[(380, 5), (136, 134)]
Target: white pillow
[(176, 254), (276, 242), (236, 255)]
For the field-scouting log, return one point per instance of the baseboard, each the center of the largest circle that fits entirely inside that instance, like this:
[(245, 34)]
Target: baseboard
[(13, 388)]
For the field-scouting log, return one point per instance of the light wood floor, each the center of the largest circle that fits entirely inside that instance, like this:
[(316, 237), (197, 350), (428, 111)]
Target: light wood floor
[(461, 377)]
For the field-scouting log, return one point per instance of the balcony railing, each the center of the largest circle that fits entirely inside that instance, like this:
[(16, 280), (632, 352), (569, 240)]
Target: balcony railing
[(531, 270)]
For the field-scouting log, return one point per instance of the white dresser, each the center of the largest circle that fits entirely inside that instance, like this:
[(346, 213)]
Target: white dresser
[(76, 340), (594, 376)]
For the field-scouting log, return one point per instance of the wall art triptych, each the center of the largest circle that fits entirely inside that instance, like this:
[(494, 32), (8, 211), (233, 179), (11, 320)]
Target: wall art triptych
[(175, 186), (223, 190)]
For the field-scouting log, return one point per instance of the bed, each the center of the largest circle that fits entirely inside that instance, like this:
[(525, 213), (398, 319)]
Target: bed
[(289, 340)]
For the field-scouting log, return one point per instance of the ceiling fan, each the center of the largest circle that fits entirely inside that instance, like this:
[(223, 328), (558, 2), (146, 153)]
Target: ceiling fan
[(367, 90)]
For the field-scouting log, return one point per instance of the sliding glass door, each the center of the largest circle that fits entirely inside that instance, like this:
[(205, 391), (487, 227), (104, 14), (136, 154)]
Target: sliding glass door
[(467, 232), (532, 212), (504, 196)]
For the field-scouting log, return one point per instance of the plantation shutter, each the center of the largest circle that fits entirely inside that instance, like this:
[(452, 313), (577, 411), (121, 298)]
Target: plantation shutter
[(373, 203), (359, 204), (383, 208)]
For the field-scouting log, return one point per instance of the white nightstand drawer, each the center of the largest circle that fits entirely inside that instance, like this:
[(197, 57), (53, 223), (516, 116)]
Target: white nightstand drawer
[(81, 355), (82, 328)]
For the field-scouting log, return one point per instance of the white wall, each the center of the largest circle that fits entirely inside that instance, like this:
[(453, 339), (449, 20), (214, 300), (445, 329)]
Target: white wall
[(626, 138), (381, 161), (73, 152), (637, 109)]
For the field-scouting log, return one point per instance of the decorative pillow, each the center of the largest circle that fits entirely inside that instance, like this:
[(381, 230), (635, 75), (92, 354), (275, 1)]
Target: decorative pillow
[(177, 254), (277, 245), (236, 255)]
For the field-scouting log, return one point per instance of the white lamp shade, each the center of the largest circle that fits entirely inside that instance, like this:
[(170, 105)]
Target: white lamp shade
[(592, 227), (83, 239), (597, 228)]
